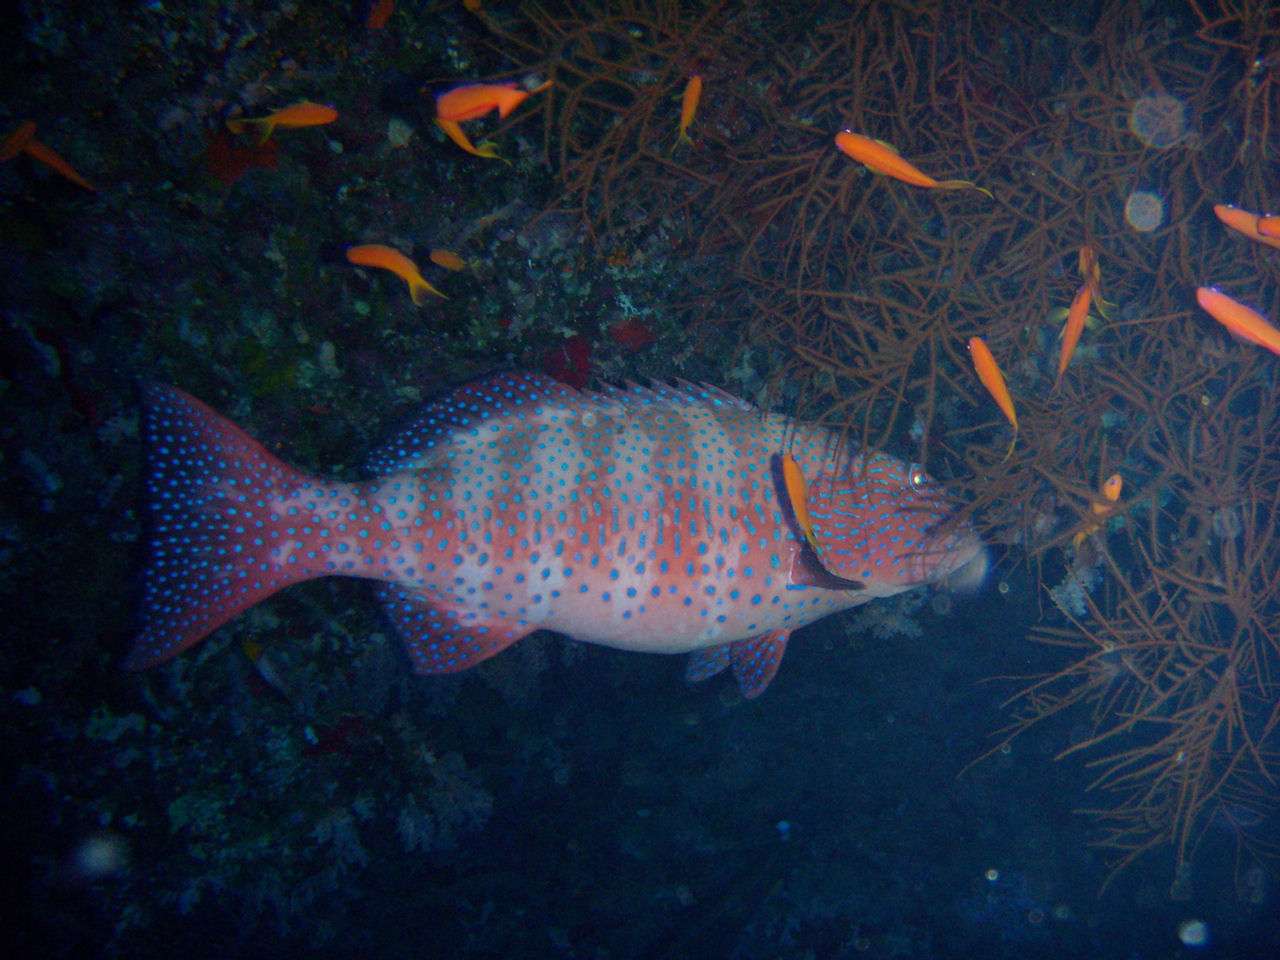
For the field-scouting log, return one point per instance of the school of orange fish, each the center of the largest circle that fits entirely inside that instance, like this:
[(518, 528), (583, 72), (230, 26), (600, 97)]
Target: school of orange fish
[(471, 101)]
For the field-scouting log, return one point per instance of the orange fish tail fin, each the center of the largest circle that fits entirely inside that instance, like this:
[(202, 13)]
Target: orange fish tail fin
[(1012, 443), (46, 155), (264, 125), (489, 150), (486, 149), (421, 291), (963, 185), (226, 525)]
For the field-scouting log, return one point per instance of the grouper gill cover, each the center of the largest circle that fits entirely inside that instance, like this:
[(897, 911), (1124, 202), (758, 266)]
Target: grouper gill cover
[(647, 519)]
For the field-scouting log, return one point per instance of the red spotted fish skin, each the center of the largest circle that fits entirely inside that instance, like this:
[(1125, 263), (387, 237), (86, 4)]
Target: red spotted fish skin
[(646, 519)]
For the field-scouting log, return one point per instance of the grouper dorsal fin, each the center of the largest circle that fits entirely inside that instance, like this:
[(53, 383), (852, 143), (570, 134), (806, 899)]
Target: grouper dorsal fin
[(488, 400)]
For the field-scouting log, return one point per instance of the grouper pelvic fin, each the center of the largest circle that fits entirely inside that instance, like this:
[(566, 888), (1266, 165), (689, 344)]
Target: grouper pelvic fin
[(754, 660)]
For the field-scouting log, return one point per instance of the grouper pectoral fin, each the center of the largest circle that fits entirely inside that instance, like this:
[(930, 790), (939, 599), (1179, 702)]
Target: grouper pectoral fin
[(446, 641), (807, 571)]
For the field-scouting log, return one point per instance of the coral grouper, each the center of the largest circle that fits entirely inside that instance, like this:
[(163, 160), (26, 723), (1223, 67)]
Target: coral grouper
[(651, 519)]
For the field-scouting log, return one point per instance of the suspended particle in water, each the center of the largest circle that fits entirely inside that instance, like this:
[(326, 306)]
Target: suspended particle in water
[(100, 856), (1193, 933), (1226, 523), (1255, 886), (1144, 211), (1159, 121)]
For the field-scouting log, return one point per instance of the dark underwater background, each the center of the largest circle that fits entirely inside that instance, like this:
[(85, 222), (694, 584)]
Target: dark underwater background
[(288, 787)]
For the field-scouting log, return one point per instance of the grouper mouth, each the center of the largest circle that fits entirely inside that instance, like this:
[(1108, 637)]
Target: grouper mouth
[(969, 574), (956, 562)]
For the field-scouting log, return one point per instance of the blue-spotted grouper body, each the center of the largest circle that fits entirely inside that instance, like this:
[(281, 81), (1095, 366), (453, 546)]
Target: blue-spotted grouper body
[(649, 519)]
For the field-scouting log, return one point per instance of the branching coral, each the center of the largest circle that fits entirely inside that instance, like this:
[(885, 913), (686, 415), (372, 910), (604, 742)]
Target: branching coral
[(852, 297)]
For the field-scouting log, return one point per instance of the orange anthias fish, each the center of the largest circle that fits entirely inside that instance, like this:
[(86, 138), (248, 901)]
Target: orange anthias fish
[(1074, 327), (23, 140), (385, 258), (1241, 320), (229, 159), (798, 496), (879, 157), (1091, 274), (1242, 221), (303, 114), (989, 373), (447, 259), (689, 107), (1103, 506), (476, 536), (379, 13), (473, 100)]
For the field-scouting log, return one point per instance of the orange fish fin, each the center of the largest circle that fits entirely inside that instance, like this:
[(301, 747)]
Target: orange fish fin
[(486, 149), (264, 126), (420, 290), (755, 661), (489, 150), (443, 640), (1012, 443), (51, 159), (963, 185)]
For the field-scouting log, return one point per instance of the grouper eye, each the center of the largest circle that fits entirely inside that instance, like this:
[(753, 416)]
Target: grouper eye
[(916, 477)]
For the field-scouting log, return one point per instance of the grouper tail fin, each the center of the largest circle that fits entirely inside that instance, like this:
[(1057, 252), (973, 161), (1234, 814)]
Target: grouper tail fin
[(230, 524)]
